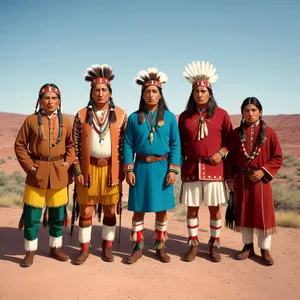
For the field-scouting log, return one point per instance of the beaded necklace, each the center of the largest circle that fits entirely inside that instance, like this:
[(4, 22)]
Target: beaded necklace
[(256, 150), (101, 126), (152, 128), (40, 127)]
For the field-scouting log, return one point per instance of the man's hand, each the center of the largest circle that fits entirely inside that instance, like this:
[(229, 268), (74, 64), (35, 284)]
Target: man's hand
[(79, 180), (65, 165), (33, 169), (216, 158), (130, 178), (170, 179), (230, 185), (257, 175)]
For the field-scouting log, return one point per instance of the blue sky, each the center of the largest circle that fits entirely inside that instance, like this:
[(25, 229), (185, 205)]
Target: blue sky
[(254, 46)]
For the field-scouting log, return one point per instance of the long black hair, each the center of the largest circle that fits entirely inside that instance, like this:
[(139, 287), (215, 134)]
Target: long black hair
[(262, 129), (112, 118), (191, 105), (162, 106), (40, 96)]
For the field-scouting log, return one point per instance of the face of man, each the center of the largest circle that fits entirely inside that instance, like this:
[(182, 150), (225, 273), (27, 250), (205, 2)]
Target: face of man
[(151, 95), (100, 95), (251, 113), (49, 102), (201, 95)]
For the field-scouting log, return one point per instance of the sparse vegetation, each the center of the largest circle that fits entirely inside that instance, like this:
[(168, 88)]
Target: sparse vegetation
[(11, 188), (288, 219), (286, 198), (2, 161)]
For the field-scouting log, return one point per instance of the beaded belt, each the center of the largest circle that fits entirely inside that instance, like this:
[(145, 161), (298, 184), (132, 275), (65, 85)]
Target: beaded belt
[(47, 158), (100, 162), (150, 158)]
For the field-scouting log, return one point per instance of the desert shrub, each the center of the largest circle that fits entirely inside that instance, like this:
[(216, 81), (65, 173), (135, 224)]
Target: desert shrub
[(3, 178), (289, 160), (17, 177), (2, 161), (288, 175), (9, 157), (286, 197), (289, 219), (11, 199)]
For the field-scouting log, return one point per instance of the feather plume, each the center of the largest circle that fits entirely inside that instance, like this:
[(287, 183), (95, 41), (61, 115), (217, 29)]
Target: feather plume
[(200, 71), (98, 71), (107, 72), (150, 74)]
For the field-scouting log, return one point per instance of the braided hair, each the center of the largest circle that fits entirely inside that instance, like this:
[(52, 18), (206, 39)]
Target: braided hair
[(112, 118), (262, 129)]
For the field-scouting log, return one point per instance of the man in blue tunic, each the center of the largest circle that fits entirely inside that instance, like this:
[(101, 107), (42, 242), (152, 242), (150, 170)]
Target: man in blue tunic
[(151, 162)]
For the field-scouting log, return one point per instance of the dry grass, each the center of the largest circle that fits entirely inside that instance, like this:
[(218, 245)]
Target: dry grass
[(11, 199), (288, 219)]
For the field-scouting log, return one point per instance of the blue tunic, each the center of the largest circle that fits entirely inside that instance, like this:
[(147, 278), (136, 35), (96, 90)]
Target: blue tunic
[(150, 193)]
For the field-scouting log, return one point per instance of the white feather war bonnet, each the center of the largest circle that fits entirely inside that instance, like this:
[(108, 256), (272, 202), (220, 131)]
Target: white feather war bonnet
[(151, 77), (200, 74)]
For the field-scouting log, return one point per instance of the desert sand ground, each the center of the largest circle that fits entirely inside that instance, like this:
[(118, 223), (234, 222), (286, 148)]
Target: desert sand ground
[(148, 278)]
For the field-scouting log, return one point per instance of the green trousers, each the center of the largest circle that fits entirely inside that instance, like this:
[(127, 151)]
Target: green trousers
[(32, 218)]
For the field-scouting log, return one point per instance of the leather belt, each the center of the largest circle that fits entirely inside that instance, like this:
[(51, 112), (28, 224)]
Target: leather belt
[(47, 158), (100, 162), (150, 158), (246, 171)]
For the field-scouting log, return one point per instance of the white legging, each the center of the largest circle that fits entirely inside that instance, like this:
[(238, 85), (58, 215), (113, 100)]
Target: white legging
[(264, 242)]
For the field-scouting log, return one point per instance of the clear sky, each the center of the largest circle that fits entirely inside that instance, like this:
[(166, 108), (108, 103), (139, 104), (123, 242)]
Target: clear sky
[(254, 45)]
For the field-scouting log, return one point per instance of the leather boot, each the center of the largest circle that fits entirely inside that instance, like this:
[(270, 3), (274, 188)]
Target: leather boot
[(162, 255), (192, 253), (83, 254), (213, 251), (58, 254), (266, 256), (106, 251), (246, 252), (28, 259), (134, 257)]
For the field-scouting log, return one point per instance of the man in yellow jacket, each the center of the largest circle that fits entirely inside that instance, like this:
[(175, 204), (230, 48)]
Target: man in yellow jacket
[(45, 150)]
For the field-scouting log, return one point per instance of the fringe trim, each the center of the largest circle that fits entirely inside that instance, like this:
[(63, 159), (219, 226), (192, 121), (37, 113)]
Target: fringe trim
[(107, 244), (214, 241), (138, 246), (158, 245), (255, 230), (193, 241), (161, 236), (137, 236)]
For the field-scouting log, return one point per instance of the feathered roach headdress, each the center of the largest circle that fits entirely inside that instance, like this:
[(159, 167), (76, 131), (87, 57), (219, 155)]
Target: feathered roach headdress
[(152, 77), (200, 74), (97, 74)]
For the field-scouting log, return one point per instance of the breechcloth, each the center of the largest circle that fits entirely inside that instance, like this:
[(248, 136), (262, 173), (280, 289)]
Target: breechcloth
[(32, 217), (37, 197), (99, 192)]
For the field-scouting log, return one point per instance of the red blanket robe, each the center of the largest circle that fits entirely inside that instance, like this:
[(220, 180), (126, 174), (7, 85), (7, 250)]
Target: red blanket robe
[(253, 200), (196, 153)]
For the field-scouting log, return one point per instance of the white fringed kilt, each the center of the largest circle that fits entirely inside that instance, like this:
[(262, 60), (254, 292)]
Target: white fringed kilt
[(212, 193)]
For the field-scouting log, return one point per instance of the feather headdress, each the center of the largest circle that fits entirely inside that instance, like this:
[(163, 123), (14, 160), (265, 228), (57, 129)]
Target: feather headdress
[(151, 77), (99, 74), (200, 74)]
